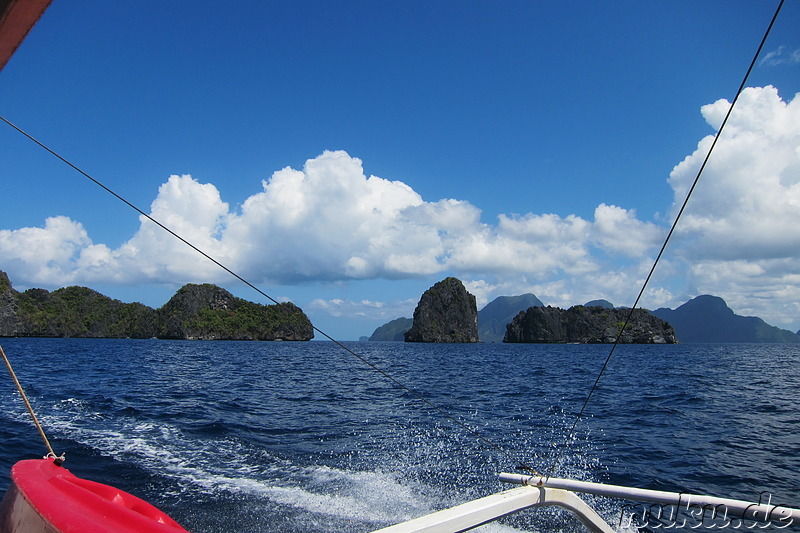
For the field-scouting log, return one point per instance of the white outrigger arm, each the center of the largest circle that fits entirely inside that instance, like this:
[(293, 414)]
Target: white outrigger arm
[(477, 512), (540, 491)]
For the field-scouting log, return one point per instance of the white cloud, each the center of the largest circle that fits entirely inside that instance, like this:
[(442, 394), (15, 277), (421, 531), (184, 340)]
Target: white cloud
[(192, 210), (618, 230), (363, 309), (50, 254), (741, 231), (747, 204), (781, 56), (329, 221)]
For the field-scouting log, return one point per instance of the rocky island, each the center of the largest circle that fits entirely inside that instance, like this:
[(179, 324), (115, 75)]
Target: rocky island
[(496, 315), (445, 313), (589, 325), (203, 312), (705, 318)]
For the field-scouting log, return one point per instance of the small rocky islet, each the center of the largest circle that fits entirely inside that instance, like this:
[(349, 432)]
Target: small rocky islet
[(447, 312), (525, 318)]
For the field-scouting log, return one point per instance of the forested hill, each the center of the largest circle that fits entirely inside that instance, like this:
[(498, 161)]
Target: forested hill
[(194, 312)]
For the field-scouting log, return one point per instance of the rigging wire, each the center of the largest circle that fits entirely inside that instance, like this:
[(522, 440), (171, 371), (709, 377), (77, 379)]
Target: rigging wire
[(570, 434), (58, 460), (419, 396), (373, 366)]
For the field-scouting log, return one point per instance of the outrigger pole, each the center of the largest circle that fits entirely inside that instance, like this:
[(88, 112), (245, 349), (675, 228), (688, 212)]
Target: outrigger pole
[(541, 491), (478, 512)]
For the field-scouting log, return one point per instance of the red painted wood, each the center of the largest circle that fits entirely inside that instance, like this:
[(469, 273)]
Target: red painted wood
[(74, 505)]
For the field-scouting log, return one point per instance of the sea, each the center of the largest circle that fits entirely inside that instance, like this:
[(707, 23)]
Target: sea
[(296, 437)]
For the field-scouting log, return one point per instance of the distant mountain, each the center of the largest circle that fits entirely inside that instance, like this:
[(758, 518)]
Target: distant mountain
[(498, 313), (599, 303), (392, 331), (709, 319)]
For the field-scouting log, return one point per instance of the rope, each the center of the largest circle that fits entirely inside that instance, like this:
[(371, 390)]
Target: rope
[(664, 245), (361, 358), (57, 460)]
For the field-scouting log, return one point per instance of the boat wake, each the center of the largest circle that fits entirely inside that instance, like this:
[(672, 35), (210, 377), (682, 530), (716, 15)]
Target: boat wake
[(223, 470)]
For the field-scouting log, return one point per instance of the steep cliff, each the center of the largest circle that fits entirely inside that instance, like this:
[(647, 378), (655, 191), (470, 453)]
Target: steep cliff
[(9, 309), (445, 313), (590, 325)]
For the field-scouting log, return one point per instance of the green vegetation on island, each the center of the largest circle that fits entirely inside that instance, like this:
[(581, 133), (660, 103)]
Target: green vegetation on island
[(194, 312)]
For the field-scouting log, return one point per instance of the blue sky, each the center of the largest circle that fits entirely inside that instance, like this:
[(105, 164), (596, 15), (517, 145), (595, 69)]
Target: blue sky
[(349, 155)]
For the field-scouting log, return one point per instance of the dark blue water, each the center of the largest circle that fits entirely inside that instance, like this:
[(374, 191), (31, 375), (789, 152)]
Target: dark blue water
[(255, 436)]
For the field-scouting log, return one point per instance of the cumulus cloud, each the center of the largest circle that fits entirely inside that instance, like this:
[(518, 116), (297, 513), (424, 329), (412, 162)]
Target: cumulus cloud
[(192, 210), (741, 231), (618, 230), (328, 222), (54, 253), (747, 204)]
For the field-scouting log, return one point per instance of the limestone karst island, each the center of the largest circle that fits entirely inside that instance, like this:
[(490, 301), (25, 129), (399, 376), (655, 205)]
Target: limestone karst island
[(197, 312)]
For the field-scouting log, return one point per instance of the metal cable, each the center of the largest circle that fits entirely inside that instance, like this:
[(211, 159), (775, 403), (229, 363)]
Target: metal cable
[(385, 374), (472, 431), (569, 435)]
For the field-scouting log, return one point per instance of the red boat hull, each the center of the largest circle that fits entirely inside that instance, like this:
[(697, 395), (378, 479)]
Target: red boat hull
[(45, 498)]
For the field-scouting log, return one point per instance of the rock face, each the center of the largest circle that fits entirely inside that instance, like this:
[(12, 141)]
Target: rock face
[(195, 312), (9, 309), (445, 313), (590, 325)]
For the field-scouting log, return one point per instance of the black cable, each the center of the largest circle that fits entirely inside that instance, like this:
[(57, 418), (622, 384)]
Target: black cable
[(666, 240), (385, 374), (361, 358)]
